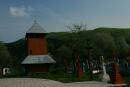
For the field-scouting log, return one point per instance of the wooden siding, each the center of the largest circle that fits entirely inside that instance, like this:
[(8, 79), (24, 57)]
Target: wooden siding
[(37, 46), (39, 68)]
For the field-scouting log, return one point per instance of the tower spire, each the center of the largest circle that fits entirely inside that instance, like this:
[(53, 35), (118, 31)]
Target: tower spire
[(35, 19)]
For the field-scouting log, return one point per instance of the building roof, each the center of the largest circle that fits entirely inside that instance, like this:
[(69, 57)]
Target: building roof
[(36, 28), (38, 59)]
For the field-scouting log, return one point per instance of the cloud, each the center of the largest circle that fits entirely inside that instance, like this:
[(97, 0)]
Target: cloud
[(56, 16), (20, 11)]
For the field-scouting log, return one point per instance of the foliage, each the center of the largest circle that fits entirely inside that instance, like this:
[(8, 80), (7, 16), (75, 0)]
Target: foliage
[(104, 41), (127, 80), (18, 53), (4, 56), (103, 44)]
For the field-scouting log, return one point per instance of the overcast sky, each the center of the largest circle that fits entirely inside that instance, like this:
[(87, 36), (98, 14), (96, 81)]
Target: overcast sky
[(17, 16)]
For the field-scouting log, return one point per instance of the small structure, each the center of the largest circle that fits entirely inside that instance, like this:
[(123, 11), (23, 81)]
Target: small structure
[(4, 71), (38, 59)]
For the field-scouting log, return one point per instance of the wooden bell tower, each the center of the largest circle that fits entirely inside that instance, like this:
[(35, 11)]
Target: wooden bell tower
[(38, 59)]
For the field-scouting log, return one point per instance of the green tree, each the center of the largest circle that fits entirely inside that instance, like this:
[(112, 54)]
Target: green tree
[(104, 45), (5, 60), (77, 43), (64, 56), (123, 47)]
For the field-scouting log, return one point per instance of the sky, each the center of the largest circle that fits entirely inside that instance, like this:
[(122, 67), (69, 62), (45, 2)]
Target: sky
[(17, 16)]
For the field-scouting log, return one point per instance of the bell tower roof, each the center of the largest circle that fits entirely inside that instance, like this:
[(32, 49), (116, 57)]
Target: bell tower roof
[(36, 28)]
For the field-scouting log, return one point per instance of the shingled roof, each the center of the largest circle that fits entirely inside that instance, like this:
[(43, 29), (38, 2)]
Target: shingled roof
[(38, 59), (36, 28)]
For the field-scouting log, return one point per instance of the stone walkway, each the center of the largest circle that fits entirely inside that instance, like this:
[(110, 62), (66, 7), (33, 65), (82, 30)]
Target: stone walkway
[(87, 84), (34, 82)]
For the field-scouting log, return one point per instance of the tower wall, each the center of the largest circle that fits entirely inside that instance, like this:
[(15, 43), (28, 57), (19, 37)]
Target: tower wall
[(38, 68), (37, 46)]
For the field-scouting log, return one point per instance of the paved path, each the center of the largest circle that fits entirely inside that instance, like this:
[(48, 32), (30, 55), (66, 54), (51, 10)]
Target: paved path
[(87, 84), (34, 82)]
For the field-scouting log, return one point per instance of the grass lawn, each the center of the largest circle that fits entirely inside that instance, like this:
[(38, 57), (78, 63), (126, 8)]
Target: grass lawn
[(127, 80), (63, 77)]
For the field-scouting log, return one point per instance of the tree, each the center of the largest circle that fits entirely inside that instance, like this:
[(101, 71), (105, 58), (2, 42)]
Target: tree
[(64, 55), (5, 60), (104, 45), (123, 47), (76, 45)]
